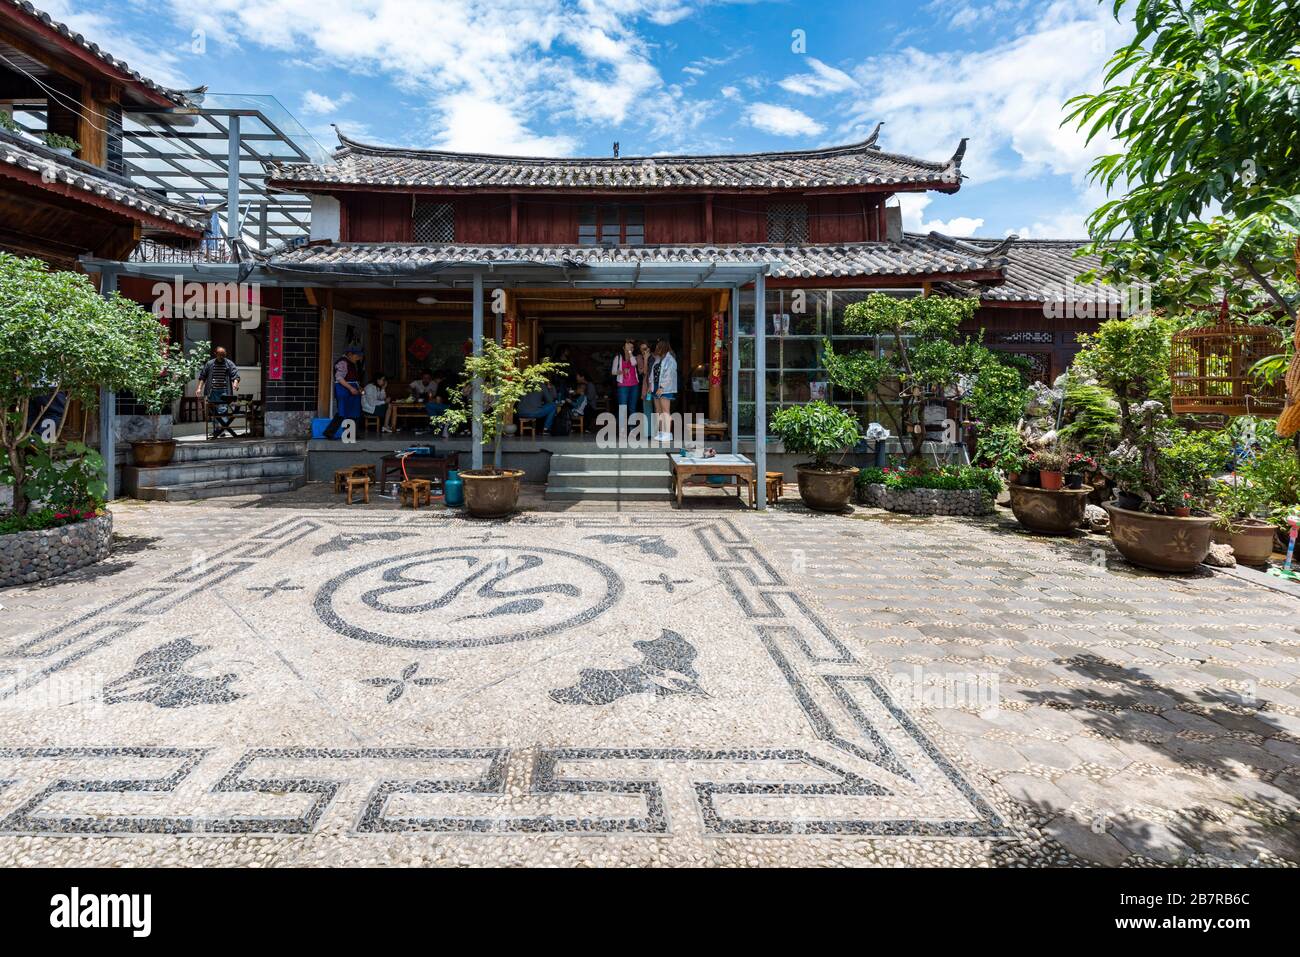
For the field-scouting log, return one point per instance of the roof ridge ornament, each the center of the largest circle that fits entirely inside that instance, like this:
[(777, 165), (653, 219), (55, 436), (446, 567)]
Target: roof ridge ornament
[(998, 251), (870, 141)]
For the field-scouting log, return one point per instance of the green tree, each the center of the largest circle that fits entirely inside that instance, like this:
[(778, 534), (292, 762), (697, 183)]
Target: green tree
[(1202, 106), (60, 335), (925, 356), (505, 381), (1130, 357)]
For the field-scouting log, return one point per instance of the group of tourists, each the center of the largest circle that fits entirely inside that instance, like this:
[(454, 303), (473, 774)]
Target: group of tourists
[(645, 380)]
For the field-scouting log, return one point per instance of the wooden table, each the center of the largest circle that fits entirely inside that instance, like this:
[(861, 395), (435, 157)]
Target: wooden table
[(412, 411), (687, 467)]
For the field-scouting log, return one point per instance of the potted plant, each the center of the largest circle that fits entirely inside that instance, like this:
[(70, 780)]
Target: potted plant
[(820, 430), (1154, 537), (1079, 467), (1251, 538), (63, 145), (1050, 463), (1003, 447), (158, 396), (493, 492)]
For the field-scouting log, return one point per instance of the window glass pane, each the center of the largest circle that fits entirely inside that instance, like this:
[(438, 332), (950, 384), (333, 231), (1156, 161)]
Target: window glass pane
[(634, 215), (587, 235), (635, 235)]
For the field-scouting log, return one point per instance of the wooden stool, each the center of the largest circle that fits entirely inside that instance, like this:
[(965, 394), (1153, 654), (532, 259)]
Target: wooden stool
[(367, 470), (416, 492), (341, 477), (367, 419), (361, 483), (578, 423), (775, 485), (528, 427)]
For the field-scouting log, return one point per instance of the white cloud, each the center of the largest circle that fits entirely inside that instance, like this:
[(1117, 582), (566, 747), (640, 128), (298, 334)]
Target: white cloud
[(782, 121), (914, 221), (822, 80), (319, 103), (490, 73), (152, 60)]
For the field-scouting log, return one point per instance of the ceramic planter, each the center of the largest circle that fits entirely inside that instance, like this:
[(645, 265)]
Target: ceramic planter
[(1052, 481), (1073, 480), (1251, 541), (1164, 543), (490, 493), (826, 491), (153, 454), (1049, 512)]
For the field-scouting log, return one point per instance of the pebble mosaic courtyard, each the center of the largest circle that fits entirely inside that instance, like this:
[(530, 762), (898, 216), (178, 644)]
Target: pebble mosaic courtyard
[(322, 685)]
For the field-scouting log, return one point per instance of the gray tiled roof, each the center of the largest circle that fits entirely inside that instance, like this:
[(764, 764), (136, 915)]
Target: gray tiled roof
[(1037, 270), (37, 158), (860, 164), (176, 96), (914, 255)]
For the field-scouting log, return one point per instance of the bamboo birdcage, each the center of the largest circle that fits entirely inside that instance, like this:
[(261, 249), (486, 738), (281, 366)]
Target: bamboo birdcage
[(1209, 369)]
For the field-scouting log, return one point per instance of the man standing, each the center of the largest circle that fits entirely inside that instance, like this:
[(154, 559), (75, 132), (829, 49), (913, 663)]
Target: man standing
[(347, 392), (219, 384)]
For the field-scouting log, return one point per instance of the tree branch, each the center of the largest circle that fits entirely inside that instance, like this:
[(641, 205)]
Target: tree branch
[(1268, 287)]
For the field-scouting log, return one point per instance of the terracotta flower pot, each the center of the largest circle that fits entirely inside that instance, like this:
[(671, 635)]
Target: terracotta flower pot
[(1251, 541), (1052, 481), (1164, 543), (152, 454), (490, 493), (1049, 512), (826, 491)]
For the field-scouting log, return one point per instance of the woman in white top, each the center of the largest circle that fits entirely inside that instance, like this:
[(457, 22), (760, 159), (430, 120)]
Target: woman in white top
[(665, 390), (374, 401)]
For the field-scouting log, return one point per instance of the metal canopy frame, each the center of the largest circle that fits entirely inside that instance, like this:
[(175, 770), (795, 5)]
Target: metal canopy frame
[(196, 156)]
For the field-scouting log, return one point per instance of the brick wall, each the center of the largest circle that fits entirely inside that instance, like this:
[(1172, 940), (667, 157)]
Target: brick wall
[(296, 392)]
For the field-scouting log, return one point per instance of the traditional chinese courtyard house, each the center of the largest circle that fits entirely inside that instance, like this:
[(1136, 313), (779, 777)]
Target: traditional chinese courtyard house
[(417, 254)]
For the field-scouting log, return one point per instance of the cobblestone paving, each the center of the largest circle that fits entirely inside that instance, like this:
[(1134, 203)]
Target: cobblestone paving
[(314, 684)]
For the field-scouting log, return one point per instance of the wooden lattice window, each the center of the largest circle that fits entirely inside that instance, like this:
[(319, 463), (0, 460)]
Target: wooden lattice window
[(787, 223), (611, 224), (434, 222)]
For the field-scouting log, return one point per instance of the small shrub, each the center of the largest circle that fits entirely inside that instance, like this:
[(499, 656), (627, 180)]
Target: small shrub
[(817, 429), (945, 478)]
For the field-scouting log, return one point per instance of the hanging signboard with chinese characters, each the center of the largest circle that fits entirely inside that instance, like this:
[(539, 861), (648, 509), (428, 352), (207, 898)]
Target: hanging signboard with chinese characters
[(275, 347), (715, 354)]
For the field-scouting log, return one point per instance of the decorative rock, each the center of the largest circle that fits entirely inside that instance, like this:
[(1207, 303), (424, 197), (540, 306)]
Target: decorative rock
[(1221, 556), (28, 557), (929, 501), (1095, 519)]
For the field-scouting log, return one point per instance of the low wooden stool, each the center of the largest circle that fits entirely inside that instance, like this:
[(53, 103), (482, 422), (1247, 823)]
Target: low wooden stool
[(775, 485), (360, 483), (528, 427), (341, 477), (365, 424), (417, 491)]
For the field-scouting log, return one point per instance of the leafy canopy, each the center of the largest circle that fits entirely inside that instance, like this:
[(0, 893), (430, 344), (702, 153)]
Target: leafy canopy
[(1202, 107)]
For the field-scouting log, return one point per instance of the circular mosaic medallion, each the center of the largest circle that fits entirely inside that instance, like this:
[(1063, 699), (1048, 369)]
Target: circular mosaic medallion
[(468, 596)]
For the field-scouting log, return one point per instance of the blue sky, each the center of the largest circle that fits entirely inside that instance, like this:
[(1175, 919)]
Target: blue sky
[(569, 77)]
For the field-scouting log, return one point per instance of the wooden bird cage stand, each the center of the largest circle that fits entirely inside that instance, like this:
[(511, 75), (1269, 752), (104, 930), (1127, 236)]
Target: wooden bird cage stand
[(1209, 368)]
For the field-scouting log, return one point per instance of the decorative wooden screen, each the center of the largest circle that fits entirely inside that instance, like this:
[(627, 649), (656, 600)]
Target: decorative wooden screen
[(787, 223), (434, 222)]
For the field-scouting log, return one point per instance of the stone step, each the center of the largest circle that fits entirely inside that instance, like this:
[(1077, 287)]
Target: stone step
[(608, 479), (595, 493), (213, 470), (257, 448), (610, 462), (202, 490)]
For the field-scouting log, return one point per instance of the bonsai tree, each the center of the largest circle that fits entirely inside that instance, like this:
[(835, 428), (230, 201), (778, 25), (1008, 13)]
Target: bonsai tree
[(505, 381), (178, 370), (60, 335), (1130, 358), (926, 357), (1002, 447), (817, 429)]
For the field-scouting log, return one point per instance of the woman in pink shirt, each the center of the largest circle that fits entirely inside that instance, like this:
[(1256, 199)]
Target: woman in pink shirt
[(626, 378)]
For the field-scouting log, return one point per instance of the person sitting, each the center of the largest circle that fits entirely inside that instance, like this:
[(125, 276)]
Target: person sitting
[(541, 405), (374, 401), (219, 384), (585, 395)]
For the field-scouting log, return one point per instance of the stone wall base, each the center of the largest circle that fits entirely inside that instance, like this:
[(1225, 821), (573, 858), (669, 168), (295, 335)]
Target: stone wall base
[(30, 557), (929, 501)]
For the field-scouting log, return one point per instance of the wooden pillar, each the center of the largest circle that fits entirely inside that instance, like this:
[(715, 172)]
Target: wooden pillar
[(476, 453), (760, 388), (734, 362), (514, 218), (708, 218), (326, 365)]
